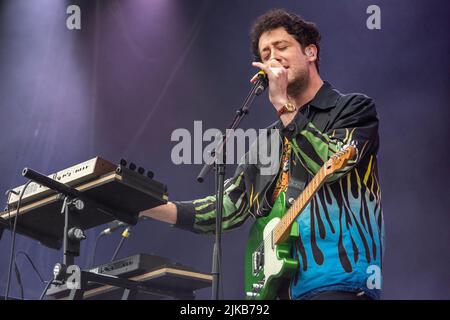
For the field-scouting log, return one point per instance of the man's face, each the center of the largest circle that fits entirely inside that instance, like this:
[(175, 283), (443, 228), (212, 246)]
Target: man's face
[(279, 45)]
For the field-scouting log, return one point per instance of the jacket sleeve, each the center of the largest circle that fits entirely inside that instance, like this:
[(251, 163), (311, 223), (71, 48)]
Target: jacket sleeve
[(199, 215), (357, 122)]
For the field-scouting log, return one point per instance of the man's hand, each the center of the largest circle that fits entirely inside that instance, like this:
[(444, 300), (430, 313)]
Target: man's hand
[(278, 81)]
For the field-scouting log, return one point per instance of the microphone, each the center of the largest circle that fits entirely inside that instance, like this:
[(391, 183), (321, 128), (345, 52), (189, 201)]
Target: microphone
[(261, 83), (113, 226), (261, 74)]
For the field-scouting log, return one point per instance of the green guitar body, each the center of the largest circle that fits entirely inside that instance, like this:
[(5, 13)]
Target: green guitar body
[(266, 264)]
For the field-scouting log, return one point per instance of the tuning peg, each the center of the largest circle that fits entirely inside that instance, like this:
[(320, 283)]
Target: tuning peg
[(141, 170), (132, 166), (150, 174), (123, 162)]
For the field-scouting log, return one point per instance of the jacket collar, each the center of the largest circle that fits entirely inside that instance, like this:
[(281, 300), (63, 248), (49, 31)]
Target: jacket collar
[(326, 97)]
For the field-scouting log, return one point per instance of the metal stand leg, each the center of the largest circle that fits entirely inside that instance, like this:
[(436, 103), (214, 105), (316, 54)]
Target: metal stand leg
[(129, 294)]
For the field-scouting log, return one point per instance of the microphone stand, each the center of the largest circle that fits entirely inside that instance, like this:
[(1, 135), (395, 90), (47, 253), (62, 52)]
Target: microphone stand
[(219, 165)]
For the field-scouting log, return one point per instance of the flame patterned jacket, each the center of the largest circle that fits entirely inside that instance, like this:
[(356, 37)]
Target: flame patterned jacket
[(341, 242)]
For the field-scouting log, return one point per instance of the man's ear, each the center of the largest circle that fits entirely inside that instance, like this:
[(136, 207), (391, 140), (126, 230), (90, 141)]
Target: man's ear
[(311, 52)]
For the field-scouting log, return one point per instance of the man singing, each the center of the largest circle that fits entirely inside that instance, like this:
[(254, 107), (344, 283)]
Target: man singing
[(340, 246)]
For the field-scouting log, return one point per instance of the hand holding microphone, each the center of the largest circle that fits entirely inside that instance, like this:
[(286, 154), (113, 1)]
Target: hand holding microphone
[(277, 77)]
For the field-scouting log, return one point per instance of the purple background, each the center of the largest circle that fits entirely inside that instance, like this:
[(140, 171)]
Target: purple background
[(139, 69)]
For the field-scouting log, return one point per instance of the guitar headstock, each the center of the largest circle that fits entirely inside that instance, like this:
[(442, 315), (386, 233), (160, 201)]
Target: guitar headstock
[(340, 159)]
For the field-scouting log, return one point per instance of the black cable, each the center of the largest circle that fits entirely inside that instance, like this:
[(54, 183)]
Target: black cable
[(8, 194), (91, 261), (13, 242), (7, 207), (17, 271), (46, 288), (125, 234), (32, 265), (117, 249), (19, 280)]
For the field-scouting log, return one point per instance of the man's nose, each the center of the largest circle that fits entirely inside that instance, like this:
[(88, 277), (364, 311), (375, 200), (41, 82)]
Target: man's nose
[(275, 56), (274, 60)]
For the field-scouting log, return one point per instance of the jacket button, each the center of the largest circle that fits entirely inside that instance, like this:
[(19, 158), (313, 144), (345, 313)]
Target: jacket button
[(291, 200)]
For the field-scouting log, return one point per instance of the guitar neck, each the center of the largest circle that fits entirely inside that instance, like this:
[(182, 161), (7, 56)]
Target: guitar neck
[(284, 226)]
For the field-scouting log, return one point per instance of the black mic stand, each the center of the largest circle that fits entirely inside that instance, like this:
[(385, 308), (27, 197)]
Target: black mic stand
[(219, 163)]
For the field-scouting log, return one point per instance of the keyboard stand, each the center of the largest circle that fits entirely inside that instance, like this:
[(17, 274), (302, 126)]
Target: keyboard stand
[(75, 203), (166, 282)]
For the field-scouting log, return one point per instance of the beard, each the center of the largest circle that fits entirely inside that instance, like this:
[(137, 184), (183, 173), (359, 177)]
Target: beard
[(297, 85)]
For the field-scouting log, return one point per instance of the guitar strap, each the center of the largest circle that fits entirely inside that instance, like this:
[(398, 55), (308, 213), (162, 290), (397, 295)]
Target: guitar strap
[(322, 120)]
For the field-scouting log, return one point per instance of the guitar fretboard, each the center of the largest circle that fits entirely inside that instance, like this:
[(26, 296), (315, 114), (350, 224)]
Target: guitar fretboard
[(283, 227)]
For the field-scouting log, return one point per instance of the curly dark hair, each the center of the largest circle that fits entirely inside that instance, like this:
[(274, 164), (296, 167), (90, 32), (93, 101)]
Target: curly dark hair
[(304, 32)]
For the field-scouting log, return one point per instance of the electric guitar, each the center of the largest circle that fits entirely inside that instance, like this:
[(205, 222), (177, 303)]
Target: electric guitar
[(268, 255)]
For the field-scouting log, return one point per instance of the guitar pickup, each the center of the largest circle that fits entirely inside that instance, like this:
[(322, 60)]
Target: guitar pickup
[(257, 261)]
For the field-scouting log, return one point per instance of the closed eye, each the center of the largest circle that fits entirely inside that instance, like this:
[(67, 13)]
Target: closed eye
[(267, 51)]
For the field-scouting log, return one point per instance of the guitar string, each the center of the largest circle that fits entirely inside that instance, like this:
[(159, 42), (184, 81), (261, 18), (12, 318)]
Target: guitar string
[(270, 236)]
